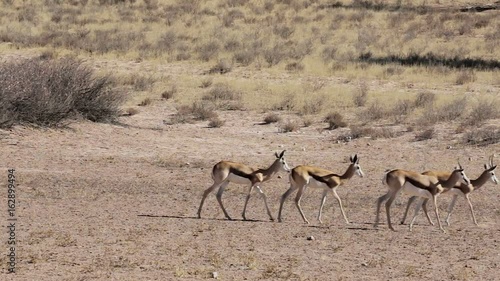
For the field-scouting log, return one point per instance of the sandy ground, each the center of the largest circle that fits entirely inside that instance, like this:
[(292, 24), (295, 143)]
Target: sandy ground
[(119, 201)]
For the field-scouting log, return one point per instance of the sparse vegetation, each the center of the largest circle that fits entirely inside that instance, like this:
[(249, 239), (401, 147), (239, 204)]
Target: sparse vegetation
[(482, 136)]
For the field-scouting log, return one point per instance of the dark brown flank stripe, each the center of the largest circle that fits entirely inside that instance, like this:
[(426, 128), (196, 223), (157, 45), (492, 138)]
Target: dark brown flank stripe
[(240, 173), (319, 178), (323, 179), (418, 184)]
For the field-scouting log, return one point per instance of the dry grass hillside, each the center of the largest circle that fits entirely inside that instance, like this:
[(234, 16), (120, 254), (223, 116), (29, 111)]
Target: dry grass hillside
[(113, 113)]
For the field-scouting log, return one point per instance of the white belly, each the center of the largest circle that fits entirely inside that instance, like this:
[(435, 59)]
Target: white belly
[(316, 184), (412, 190), (237, 179)]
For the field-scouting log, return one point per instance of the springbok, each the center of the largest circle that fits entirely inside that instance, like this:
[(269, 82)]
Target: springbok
[(458, 189), (225, 172), (303, 176), (416, 184)]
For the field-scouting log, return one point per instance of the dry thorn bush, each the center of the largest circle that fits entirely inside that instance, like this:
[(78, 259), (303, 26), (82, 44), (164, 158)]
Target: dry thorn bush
[(482, 112), (216, 123), (450, 111), (207, 82), (425, 99), (374, 112), (224, 96), (48, 92), (145, 102), (272, 118), (335, 120), (288, 126), (360, 96), (169, 92), (482, 136), (426, 134)]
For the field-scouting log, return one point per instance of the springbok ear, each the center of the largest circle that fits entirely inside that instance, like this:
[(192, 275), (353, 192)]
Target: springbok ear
[(492, 168), (486, 167), (354, 159), (276, 154), (282, 153)]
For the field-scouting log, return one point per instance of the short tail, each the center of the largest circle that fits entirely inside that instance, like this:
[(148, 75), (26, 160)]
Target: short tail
[(384, 178)]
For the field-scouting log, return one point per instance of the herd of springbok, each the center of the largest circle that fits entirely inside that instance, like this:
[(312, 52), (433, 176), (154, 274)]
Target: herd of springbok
[(427, 185)]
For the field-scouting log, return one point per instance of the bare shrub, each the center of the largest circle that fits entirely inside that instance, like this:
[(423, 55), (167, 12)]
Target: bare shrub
[(207, 82), (328, 54), (216, 123), (481, 113), (289, 126), (283, 31), (483, 136), (224, 97), (402, 109), (272, 118), (169, 92), (181, 117), (295, 66), (313, 105), (145, 102), (425, 99), (426, 134), (357, 132), (167, 41), (372, 113), (47, 92), (307, 121), (209, 50), (465, 76), (130, 111), (360, 96), (274, 55), (202, 111), (287, 103), (222, 66), (244, 57), (141, 82), (335, 120), (444, 113)]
